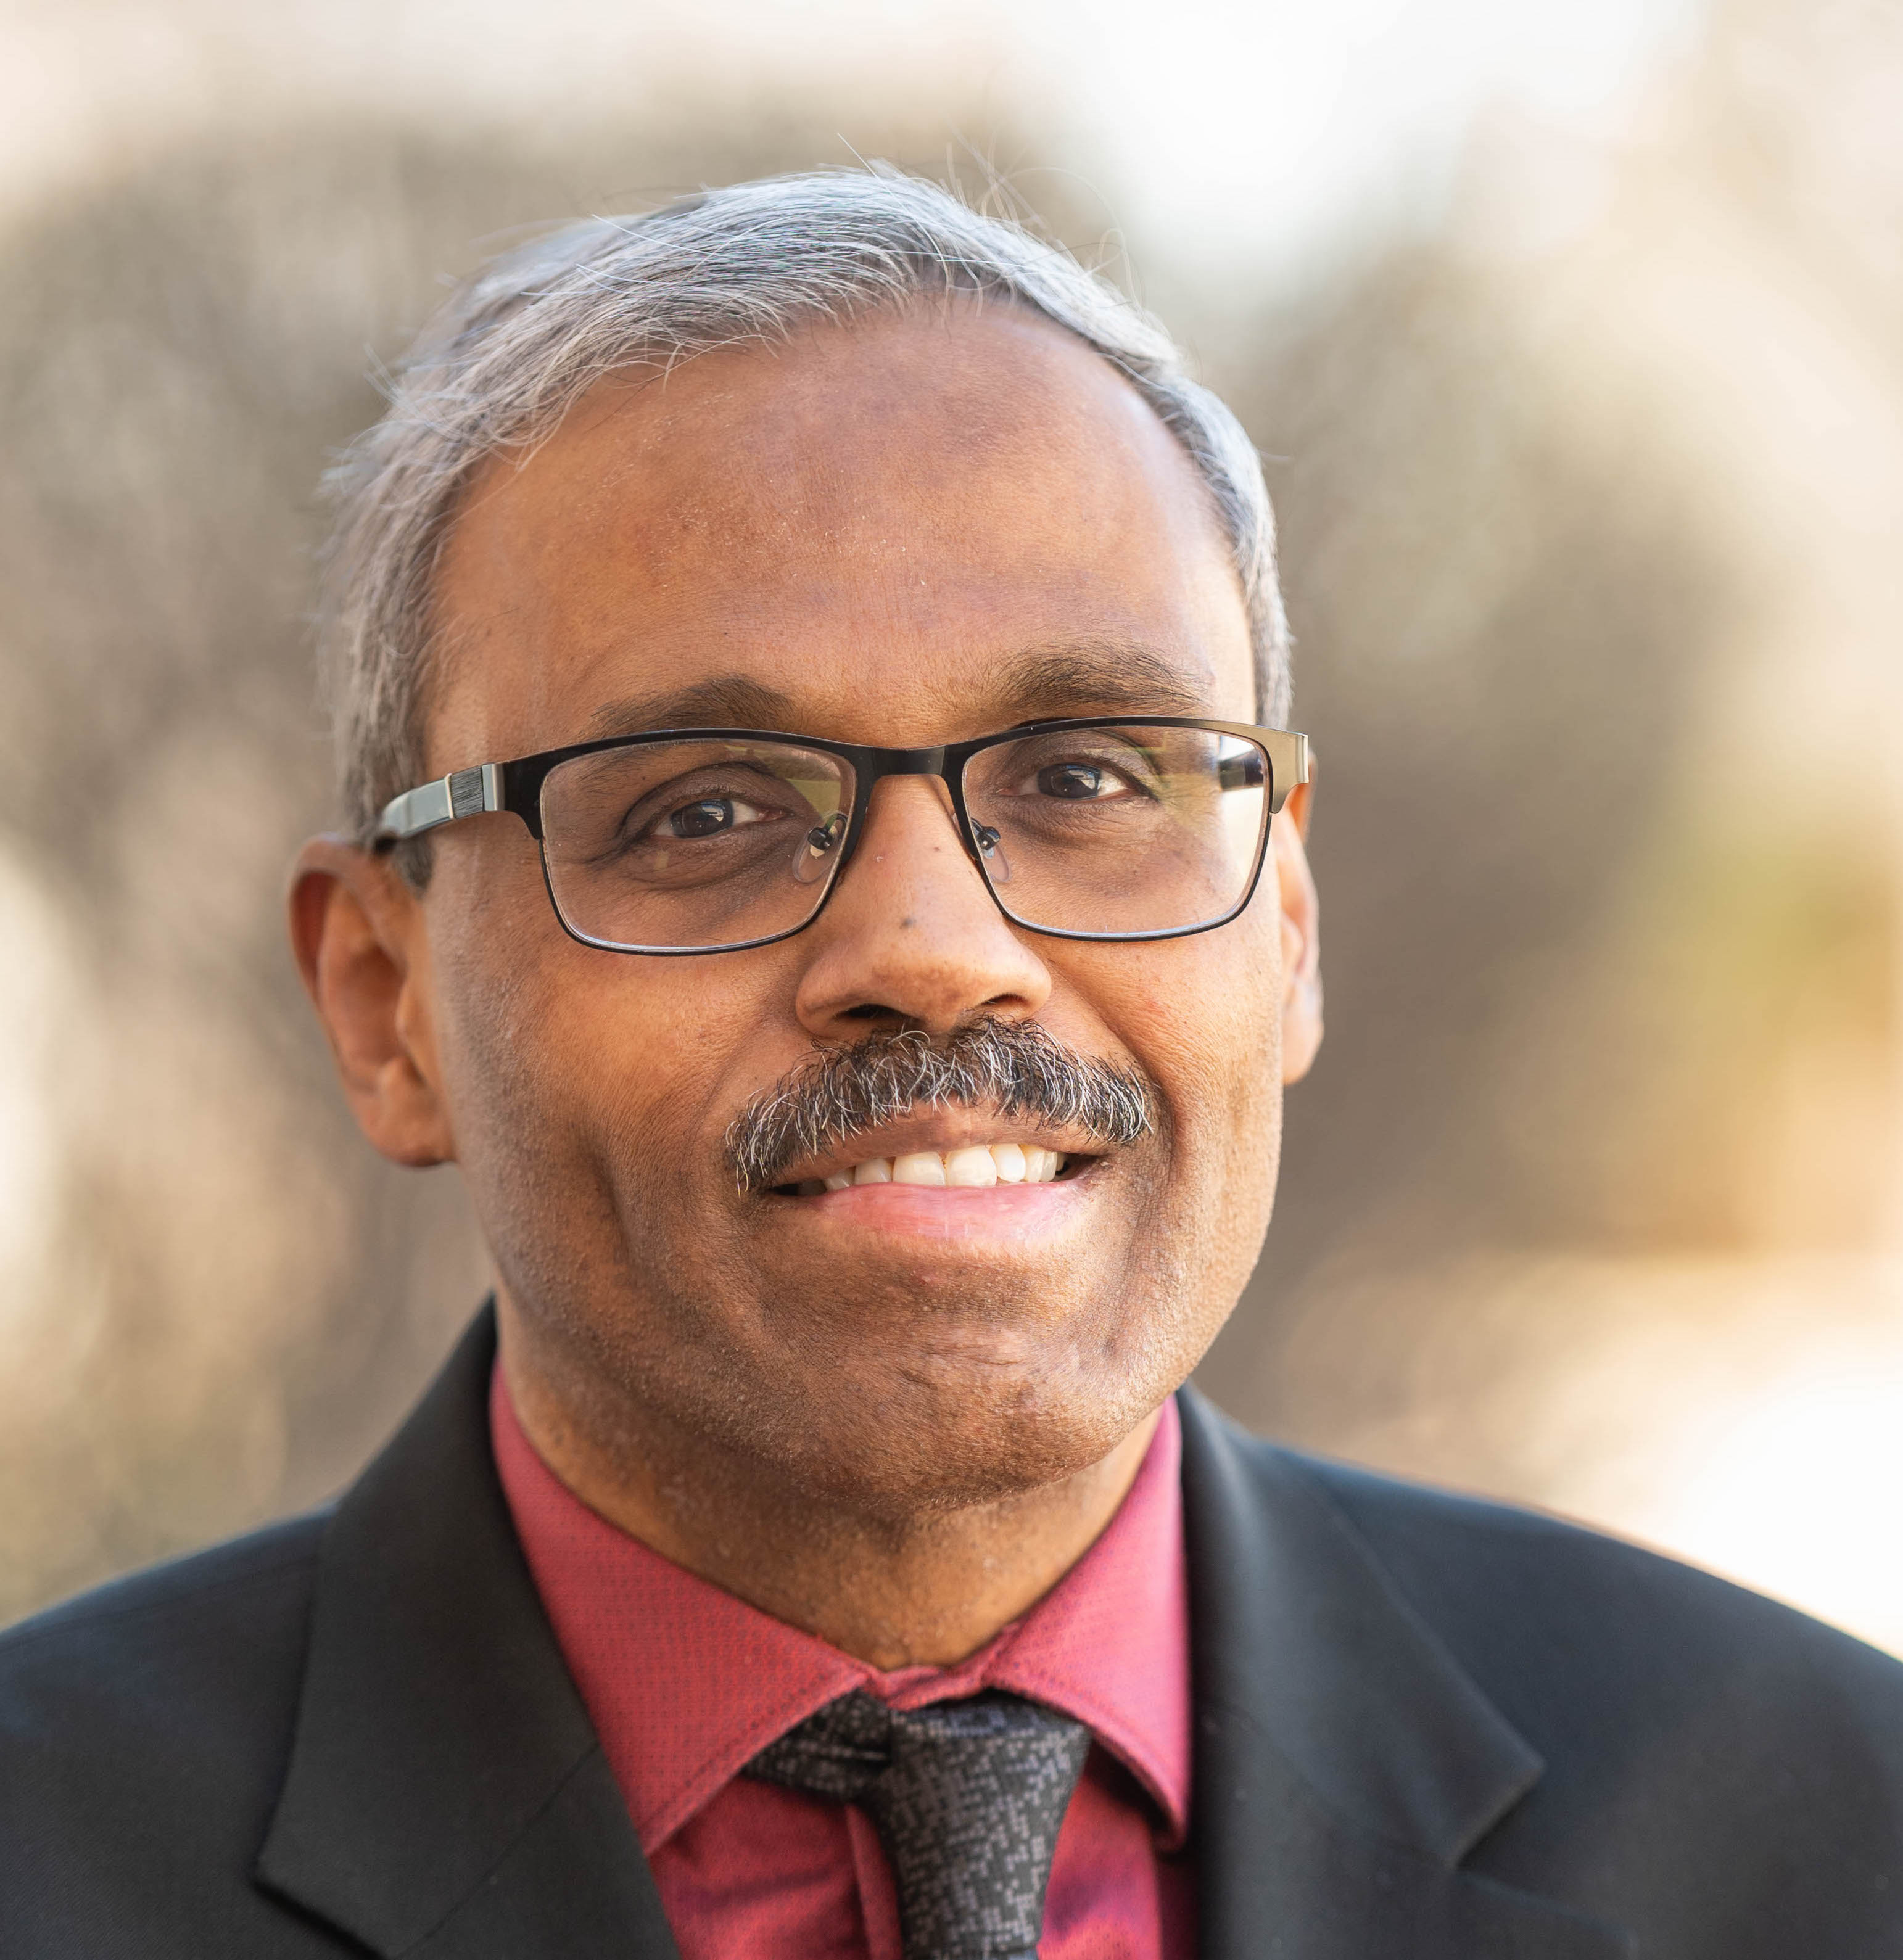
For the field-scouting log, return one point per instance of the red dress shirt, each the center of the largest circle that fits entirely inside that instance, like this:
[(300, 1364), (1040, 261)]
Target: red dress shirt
[(685, 1683)]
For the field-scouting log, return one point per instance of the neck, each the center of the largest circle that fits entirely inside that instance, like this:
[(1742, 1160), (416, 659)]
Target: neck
[(928, 1589)]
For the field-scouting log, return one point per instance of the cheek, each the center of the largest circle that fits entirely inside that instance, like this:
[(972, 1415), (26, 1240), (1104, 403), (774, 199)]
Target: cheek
[(585, 1108), (539, 1035), (1202, 1014), (593, 1064), (572, 1071)]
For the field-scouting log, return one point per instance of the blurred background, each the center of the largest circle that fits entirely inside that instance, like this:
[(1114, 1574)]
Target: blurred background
[(1570, 331)]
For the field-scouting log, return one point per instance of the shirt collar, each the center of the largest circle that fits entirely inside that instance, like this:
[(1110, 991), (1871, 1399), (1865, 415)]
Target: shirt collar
[(685, 1683)]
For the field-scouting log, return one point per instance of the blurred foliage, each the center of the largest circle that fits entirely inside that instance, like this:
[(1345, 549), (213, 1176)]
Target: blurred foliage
[(1501, 628), (1584, 543)]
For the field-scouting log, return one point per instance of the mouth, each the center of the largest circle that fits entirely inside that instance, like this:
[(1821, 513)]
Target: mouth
[(975, 1182), (971, 1164), (967, 1166)]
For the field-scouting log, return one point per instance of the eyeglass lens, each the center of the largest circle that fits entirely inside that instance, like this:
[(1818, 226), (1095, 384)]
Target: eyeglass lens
[(1120, 830), (702, 845)]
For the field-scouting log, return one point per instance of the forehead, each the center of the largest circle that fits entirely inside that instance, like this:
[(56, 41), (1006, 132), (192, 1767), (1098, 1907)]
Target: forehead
[(916, 527)]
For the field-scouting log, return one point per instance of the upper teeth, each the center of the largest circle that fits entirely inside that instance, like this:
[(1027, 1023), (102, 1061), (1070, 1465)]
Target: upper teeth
[(976, 1165)]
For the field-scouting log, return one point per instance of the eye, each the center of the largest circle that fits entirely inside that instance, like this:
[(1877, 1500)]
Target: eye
[(1075, 782), (709, 817)]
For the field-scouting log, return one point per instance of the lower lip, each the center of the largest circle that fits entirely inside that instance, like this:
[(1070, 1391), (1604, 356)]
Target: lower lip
[(1016, 1211)]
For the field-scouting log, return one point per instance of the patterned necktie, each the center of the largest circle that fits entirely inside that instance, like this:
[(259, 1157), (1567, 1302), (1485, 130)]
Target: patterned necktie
[(966, 1797)]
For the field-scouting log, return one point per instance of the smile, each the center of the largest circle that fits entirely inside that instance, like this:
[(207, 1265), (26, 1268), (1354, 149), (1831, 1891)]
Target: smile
[(971, 1167)]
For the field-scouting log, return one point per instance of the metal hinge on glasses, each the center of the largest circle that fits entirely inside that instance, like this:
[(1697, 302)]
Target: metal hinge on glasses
[(462, 793)]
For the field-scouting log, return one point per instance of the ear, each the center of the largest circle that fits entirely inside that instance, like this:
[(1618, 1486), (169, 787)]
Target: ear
[(1301, 932), (357, 930)]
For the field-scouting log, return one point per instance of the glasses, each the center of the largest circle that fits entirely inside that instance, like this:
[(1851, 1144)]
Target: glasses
[(714, 840)]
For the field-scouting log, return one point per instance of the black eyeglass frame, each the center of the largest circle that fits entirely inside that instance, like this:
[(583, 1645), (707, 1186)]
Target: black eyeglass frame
[(516, 787)]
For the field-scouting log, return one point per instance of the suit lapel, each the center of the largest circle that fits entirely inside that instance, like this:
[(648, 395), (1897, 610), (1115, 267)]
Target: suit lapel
[(1345, 1764), (447, 1797)]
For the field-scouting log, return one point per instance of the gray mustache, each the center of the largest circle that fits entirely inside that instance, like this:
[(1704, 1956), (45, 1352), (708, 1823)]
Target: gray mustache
[(1013, 1067)]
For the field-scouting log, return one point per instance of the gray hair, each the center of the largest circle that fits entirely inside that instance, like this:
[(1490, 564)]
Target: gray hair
[(517, 346)]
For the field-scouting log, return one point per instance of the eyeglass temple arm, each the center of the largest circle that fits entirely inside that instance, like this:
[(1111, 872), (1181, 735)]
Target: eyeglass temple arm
[(462, 793)]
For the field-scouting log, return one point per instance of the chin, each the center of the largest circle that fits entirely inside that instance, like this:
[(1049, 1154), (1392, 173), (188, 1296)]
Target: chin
[(918, 1435)]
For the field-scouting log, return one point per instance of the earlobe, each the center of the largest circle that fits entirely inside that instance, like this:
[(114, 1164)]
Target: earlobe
[(361, 951)]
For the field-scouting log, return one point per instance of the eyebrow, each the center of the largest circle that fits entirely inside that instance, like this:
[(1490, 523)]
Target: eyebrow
[(1107, 676), (1041, 684), (729, 701)]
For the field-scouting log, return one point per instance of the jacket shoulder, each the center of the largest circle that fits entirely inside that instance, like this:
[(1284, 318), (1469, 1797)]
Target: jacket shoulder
[(1519, 1590), (174, 1619), (144, 1731), (1671, 1707), (1714, 1771)]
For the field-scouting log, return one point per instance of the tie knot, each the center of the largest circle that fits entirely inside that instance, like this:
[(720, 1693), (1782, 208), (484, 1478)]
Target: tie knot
[(966, 1797)]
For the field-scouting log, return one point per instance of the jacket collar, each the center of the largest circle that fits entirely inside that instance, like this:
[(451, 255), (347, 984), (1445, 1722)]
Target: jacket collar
[(447, 1797), (1345, 1764)]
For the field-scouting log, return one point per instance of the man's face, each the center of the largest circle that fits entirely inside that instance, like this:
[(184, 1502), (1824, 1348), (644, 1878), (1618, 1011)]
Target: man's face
[(917, 529)]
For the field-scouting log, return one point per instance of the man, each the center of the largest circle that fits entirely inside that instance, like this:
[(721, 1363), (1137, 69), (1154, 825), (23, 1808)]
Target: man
[(827, 864)]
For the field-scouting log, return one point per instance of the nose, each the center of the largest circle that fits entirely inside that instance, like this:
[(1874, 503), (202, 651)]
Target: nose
[(911, 937)]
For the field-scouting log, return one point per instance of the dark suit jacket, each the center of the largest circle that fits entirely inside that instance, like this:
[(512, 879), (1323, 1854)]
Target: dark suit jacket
[(1426, 1728)]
